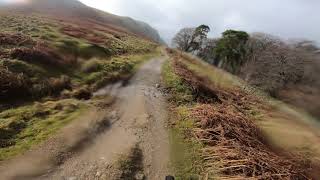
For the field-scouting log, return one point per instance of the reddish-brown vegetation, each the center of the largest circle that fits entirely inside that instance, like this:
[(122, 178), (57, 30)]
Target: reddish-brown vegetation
[(239, 147), (200, 86), (86, 34), (17, 46), (12, 84), (38, 54), (234, 144), (15, 40)]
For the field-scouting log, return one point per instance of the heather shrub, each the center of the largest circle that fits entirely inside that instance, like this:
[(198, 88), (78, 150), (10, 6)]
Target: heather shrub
[(12, 85), (83, 93), (59, 84)]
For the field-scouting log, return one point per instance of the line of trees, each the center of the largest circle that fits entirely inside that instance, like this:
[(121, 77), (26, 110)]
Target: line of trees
[(227, 52), (263, 60)]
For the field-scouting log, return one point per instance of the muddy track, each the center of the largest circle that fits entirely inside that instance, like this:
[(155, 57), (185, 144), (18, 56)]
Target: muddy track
[(133, 131)]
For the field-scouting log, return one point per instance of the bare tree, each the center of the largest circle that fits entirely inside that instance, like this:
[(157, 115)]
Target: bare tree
[(183, 39), (306, 45), (191, 39), (271, 63), (291, 72)]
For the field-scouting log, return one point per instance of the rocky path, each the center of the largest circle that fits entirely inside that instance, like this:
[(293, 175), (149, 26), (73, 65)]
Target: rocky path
[(134, 146)]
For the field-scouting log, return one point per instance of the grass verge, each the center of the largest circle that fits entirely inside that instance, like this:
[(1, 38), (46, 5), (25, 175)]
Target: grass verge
[(185, 151), (26, 126)]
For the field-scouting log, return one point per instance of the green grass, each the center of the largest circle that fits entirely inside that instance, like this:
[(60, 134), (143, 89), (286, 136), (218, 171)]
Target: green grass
[(185, 151), (30, 125), (180, 92), (218, 77), (28, 69), (110, 70), (130, 164), (185, 157)]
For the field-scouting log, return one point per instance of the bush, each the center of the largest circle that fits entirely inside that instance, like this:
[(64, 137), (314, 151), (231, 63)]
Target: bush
[(90, 66), (82, 93), (59, 84), (12, 85), (39, 54), (90, 51), (16, 66), (40, 89), (15, 40)]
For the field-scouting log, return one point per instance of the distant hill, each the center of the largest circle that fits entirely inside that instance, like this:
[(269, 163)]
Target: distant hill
[(75, 10)]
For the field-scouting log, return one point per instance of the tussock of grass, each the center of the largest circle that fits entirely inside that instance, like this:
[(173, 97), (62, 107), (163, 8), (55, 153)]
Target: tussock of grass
[(24, 127), (17, 66), (21, 79), (110, 70), (92, 65), (131, 164)]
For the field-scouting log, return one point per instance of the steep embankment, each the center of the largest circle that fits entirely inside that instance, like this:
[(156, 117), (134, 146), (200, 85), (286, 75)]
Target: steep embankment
[(235, 131), (48, 66)]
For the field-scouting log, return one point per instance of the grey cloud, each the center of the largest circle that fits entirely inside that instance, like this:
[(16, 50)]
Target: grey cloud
[(284, 18)]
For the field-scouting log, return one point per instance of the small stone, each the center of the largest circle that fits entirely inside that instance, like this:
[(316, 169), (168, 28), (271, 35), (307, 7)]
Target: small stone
[(98, 174), (157, 85), (104, 177), (140, 176)]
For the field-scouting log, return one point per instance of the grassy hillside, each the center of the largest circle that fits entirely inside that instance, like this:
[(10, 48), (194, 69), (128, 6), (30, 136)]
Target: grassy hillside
[(74, 10), (236, 131), (48, 66), (47, 56)]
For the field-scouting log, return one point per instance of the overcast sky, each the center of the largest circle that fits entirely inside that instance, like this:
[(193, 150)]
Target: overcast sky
[(285, 18)]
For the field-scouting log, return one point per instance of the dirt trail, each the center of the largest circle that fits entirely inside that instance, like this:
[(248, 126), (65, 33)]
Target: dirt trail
[(137, 121)]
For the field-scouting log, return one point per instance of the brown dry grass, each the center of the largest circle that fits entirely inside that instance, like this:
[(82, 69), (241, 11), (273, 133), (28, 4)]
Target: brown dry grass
[(236, 146), (15, 40), (18, 46), (200, 87), (83, 33), (12, 84), (39, 54), (233, 144)]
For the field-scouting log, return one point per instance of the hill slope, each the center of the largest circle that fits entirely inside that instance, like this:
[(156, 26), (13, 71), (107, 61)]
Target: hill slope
[(73, 9)]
